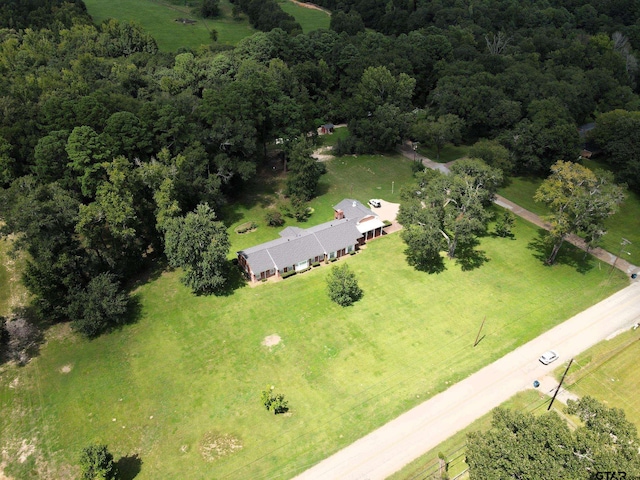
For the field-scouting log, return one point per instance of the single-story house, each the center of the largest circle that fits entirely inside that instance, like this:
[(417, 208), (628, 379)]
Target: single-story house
[(327, 128), (298, 248)]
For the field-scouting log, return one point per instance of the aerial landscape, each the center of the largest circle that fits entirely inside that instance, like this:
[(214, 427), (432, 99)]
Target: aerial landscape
[(277, 239)]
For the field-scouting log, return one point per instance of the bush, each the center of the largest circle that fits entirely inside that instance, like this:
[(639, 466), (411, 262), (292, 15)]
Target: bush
[(247, 228), (297, 208), (274, 402), (99, 307), (315, 264), (387, 223), (417, 167), (274, 219), (96, 462), (210, 8), (288, 274), (343, 286)]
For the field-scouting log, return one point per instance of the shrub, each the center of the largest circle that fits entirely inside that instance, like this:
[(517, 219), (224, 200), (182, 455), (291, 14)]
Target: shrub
[(387, 223), (296, 208), (97, 462), (274, 219), (288, 274), (315, 264), (274, 402), (343, 286)]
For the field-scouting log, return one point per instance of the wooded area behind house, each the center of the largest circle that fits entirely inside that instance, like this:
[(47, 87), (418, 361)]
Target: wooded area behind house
[(104, 140)]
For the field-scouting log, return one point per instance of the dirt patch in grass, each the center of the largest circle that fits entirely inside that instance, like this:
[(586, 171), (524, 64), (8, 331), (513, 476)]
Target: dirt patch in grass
[(26, 450), (66, 368), (271, 340), (216, 445)]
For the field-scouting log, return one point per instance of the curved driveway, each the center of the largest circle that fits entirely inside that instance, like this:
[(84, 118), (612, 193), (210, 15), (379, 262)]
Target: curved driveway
[(392, 446)]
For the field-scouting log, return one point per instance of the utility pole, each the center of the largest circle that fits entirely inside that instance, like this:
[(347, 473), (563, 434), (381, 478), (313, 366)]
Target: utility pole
[(478, 336), (623, 244), (561, 380)]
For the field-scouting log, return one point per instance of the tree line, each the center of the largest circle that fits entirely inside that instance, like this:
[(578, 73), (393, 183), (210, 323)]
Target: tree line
[(109, 148)]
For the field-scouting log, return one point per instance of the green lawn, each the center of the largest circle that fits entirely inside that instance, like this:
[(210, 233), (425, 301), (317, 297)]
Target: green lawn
[(309, 19), (158, 18), (608, 372), (520, 190), (448, 153), (12, 293), (193, 366), (331, 139)]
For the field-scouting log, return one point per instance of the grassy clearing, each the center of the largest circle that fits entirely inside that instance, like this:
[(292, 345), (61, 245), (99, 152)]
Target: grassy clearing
[(454, 448), (623, 224), (158, 18), (12, 293), (192, 368), (448, 153), (309, 18), (331, 139), (608, 372), (521, 190)]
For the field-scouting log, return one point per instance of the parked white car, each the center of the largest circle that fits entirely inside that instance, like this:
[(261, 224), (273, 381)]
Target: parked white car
[(374, 202), (548, 357)]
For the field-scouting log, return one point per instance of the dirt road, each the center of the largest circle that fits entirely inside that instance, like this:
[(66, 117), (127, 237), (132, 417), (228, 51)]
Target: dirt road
[(405, 438)]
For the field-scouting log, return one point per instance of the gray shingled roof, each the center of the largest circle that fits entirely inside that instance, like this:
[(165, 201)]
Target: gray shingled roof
[(307, 243), (353, 209)]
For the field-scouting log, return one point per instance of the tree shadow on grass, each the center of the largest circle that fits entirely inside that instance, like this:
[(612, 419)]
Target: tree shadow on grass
[(569, 254), (431, 265), (235, 280), (469, 258), (129, 467)]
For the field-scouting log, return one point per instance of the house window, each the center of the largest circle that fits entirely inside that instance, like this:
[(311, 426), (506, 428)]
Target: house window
[(332, 255), (350, 249)]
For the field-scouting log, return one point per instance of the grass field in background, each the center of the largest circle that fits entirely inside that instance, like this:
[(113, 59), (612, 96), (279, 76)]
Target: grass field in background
[(309, 19), (158, 18), (624, 224), (193, 367), (608, 372), (448, 153)]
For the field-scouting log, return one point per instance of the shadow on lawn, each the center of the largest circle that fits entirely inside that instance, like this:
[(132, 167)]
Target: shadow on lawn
[(261, 191), (129, 467), (569, 255)]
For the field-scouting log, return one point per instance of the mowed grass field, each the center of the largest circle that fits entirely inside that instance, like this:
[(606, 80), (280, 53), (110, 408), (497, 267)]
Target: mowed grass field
[(624, 224), (159, 19), (192, 368), (608, 372), (309, 18)]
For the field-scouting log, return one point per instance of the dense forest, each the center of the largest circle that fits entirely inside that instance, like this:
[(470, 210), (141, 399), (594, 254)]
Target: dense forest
[(105, 141)]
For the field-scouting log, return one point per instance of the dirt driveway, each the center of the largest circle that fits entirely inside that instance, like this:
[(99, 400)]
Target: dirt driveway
[(388, 211)]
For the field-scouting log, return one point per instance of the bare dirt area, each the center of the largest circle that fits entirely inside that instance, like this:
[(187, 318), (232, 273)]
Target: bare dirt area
[(312, 6), (322, 154), (271, 340), (66, 368)]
